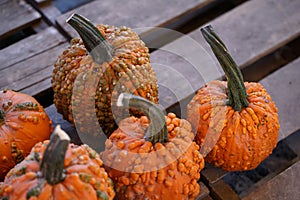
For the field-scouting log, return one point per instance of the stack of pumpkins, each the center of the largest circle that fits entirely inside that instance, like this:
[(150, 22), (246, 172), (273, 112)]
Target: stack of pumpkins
[(148, 155)]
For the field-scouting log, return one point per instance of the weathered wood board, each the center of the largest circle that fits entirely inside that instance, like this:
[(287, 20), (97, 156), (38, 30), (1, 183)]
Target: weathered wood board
[(29, 47), (16, 15), (283, 86), (134, 13), (250, 32), (283, 186)]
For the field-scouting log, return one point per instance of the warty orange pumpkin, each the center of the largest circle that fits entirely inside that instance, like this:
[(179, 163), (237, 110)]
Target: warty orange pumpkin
[(154, 156), (236, 122), (56, 169), (118, 61), (23, 122)]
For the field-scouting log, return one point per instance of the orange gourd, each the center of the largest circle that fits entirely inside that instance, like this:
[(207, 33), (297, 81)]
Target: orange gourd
[(236, 123), (117, 61), (153, 160), (23, 122), (56, 169)]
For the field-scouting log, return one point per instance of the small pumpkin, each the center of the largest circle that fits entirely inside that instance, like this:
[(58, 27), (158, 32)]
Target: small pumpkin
[(56, 169), (236, 122), (152, 160), (23, 122), (118, 61)]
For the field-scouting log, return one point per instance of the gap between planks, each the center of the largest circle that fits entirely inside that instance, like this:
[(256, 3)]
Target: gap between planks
[(16, 15)]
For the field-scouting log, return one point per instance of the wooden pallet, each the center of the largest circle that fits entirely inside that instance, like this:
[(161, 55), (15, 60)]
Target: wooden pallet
[(16, 15), (262, 36)]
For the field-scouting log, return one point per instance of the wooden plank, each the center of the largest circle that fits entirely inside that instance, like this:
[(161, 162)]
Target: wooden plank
[(211, 174), (250, 31), (283, 186), (204, 192), (207, 198), (30, 47), (134, 13), (65, 125), (27, 68), (283, 86), (258, 28), (16, 15), (37, 88), (32, 81), (221, 191), (47, 9)]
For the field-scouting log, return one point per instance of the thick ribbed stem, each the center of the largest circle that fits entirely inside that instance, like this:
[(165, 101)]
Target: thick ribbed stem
[(52, 165), (95, 43), (157, 130), (237, 94), (2, 117)]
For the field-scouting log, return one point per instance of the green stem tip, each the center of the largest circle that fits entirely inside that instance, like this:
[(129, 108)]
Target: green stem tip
[(52, 165), (157, 130), (95, 43), (237, 94)]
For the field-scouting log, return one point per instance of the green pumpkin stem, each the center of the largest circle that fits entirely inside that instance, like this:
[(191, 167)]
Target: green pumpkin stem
[(237, 94), (52, 165), (95, 43), (157, 130), (2, 117)]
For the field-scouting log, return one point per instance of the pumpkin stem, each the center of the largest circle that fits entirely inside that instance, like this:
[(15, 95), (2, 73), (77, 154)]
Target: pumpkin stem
[(52, 165), (237, 94), (157, 130), (2, 117), (95, 43)]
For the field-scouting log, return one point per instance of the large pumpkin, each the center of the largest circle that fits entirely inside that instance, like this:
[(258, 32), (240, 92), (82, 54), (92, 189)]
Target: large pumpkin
[(236, 123), (58, 170), (153, 160), (118, 61), (23, 122)]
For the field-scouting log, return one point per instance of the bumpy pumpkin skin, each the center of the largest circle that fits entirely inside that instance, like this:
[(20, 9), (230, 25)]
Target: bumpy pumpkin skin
[(141, 179), (246, 138), (128, 71), (25, 123), (85, 177)]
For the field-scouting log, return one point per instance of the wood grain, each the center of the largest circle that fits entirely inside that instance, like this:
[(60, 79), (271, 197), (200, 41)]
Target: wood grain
[(283, 186), (283, 86), (30, 47), (33, 80), (134, 13), (250, 32), (16, 15), (27, 69)]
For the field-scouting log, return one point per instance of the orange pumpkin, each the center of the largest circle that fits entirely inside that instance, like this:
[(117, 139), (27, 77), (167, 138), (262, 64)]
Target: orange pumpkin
[(118, 61), (153, 160), (23, 123), (58, 170), (236, 123)]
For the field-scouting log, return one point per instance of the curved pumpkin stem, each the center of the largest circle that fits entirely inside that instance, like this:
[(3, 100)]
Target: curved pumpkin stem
[(95, 43), (237, 93), (157, 130), (52, 165)]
